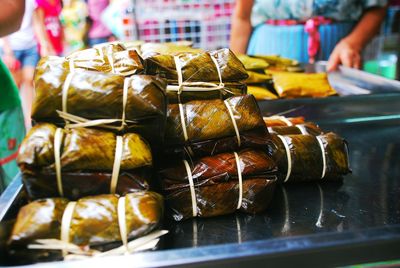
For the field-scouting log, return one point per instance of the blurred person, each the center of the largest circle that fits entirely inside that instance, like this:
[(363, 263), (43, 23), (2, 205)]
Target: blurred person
[(12, 129), (304, 29), (74, 20), (98, 32), (20, 54), (48, 13)]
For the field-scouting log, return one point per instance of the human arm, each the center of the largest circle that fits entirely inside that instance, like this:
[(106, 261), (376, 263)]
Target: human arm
[(8, 56), (46, 48), (11, 16), (241, 26), (348, 50)]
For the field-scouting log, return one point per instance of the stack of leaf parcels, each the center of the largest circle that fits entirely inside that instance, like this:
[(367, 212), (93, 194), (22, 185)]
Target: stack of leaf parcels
[(216, 157), (87, 163)]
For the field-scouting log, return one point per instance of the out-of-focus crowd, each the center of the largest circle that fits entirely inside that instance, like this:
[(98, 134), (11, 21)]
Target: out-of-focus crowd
[(48, 28), (51, 27)]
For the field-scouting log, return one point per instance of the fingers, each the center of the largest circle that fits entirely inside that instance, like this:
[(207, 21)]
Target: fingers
[(333, 62), (357, 61), (347, 57), (351, 58)]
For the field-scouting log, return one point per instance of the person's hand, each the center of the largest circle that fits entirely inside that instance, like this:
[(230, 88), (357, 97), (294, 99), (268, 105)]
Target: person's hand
[(347, 53), (11, 62)]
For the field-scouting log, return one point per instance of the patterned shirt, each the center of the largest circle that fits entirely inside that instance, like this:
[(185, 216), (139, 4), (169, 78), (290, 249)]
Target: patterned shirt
[(340, 10)]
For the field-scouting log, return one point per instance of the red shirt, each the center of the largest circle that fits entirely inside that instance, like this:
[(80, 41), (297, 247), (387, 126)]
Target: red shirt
[(52, 10)]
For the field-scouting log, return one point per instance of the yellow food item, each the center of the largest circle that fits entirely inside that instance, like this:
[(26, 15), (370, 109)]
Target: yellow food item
[(255, 78), (251, 63), (277, 60), (261, 93), (296, 85)]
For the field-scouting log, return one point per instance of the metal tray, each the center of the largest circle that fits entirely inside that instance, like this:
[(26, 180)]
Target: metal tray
[(315, 224), (348, 81)]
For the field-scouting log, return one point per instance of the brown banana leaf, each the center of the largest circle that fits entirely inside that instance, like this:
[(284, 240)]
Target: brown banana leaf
[(216, 185), (86, 158), (210, 127), (90, 92), (230, 90), (306, 128), (306, 157), (94, 95), (198, 66), (83, 183), (94, 219), (112, 58), (81, 149)]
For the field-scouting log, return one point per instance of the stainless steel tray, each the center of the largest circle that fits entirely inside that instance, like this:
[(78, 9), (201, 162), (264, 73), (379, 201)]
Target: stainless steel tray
[(315, 224), (348, 81)]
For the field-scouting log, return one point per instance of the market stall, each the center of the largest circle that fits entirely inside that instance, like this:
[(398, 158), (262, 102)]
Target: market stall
[(230, 189)]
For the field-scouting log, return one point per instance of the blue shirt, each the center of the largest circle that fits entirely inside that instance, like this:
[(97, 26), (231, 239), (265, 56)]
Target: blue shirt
[(340, 10)]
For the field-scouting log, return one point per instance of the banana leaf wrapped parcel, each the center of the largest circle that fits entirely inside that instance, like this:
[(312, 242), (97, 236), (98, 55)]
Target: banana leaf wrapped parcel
[(197, 67), (94, 221), (136, 103), (87, 159), (110, 58), (199, 75), (219, 185), (297, 85), (210, 127), (261, 93), (310, 158)]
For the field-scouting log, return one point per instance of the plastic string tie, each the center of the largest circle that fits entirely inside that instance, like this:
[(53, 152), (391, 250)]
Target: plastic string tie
[(110, 58), (287, 121), (57, 159), (302, 129), (64, 93), (196, 86), (183, 121), (124, 101), (66, 224), (191, 185), (321, 145), (289, 157), (83, 122), (221, 84), (228, 107), (122, 222), (142, 243), (239, 170), (71, 64), (178, 67), (117, 164), (188, 149)]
